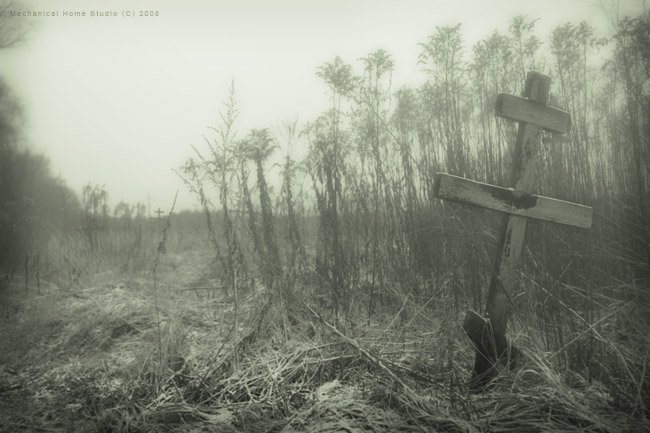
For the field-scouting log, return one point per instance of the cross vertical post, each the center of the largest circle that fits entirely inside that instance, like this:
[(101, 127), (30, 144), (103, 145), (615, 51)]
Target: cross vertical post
[(525, 158), (519, 204)]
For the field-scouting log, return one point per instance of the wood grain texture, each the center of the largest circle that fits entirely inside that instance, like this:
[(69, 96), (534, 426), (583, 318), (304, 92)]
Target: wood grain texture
[(519, 204), (524, 110), (525, 160), (513, 202)]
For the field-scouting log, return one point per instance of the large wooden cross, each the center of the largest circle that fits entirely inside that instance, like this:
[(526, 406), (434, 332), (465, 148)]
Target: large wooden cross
[(519, 204)]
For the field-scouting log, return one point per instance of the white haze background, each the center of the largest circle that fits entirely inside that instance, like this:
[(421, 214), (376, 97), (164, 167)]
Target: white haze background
[(119, 101)]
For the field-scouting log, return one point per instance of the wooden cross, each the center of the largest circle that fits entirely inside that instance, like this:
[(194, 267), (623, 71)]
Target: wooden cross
[(519, 204), (159, 212)]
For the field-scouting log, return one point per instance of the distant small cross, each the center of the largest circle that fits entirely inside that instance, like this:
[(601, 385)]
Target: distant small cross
[(159, 212)]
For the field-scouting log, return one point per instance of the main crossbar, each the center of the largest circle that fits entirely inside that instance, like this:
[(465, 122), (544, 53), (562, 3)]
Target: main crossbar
[(508, 200)]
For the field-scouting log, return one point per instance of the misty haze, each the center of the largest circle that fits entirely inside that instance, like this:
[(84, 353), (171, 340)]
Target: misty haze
[(341, 216)]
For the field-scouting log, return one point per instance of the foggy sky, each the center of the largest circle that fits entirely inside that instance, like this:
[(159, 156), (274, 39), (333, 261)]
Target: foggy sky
[(119, 101)]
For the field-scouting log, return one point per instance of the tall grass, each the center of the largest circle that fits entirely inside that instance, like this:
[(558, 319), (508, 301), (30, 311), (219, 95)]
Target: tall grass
[(345, 282)]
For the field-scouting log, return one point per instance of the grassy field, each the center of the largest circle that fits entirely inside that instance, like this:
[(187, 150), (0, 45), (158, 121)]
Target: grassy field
[(323, 285), (170, 350)]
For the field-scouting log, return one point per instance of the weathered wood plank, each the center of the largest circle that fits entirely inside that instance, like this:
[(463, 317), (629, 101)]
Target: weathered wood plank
[(524, 110), (519, 204), (525, 160), (510, 201), (504, 281), (481, 334)]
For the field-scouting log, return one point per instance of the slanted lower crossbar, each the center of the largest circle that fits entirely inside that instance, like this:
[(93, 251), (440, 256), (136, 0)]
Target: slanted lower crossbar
[(513, 202)]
